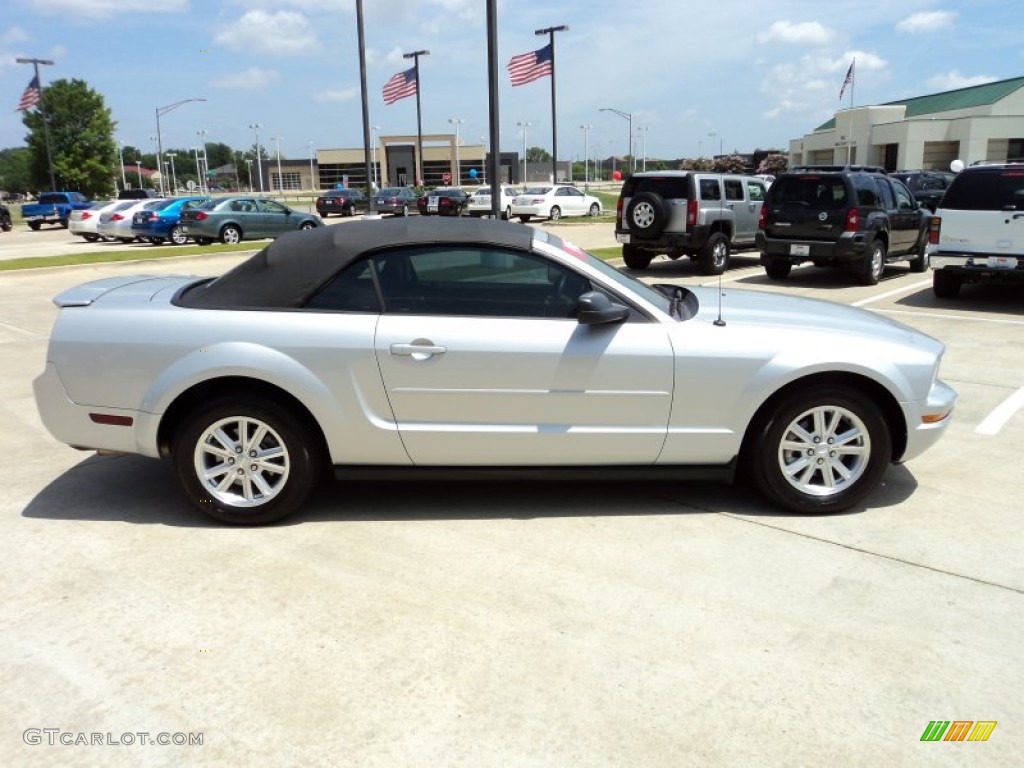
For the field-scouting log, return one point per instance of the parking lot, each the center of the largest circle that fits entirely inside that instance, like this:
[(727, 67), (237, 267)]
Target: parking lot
[(512, 624)]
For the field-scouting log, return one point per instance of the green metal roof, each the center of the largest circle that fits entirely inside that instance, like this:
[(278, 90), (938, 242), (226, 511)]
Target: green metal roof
[(947, 101)]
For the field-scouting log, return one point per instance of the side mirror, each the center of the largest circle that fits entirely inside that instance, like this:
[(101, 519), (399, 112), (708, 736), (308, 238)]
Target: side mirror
[(595, 308)]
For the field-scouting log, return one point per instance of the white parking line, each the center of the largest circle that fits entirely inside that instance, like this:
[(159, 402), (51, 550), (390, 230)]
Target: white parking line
[(894, 292), (942, 316), (1002, 414)]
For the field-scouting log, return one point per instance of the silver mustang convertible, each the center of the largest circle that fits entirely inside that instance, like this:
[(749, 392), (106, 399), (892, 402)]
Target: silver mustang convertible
[(465, 343)]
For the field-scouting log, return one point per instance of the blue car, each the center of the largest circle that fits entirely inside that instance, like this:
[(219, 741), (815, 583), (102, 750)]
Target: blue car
[(158, 220)]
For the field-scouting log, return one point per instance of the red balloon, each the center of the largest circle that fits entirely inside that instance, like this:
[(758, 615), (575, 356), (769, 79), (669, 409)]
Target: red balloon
[(616, 175)]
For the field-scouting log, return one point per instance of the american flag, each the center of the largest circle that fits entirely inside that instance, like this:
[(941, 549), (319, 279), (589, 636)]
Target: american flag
[(401, 85), (527, 67), (30, 97), (848, 80)]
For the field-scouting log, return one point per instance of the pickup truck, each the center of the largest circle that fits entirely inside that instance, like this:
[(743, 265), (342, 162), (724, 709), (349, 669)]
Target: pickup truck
[(53, 208)]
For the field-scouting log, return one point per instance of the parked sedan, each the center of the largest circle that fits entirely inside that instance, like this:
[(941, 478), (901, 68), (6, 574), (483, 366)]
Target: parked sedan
[(344, 202), (84, 223), (553, 201), (233, 219), (397, 200), (476, 345), (159, 220), (444, 201), (480, 202), (116, 223)]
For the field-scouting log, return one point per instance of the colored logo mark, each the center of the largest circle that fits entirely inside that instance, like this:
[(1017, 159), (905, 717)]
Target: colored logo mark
[(958, 730)]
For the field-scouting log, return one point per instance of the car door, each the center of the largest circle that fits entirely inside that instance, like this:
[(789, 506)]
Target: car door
[(483, 363), (905, 219), (275, 218), (744, 211)]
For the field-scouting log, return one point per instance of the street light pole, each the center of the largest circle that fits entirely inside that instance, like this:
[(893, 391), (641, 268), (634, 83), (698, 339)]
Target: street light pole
[(174, 178), (160, 111), (248, 165), (586, 154), (524, 126), (42, 112), (457, 121), (312, 179), (626, 116), (199, 168), (120, 156), (643, 137), (280, 178), (204, 182), (259, 162), (373, 148)]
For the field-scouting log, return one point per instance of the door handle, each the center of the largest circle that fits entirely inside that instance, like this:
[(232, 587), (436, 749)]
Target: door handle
[(418, 350)]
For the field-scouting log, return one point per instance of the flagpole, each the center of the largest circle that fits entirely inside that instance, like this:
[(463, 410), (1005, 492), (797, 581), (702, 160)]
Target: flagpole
[(415, 56), (550, 31), (42, 113), (494, 160), (849, 130)]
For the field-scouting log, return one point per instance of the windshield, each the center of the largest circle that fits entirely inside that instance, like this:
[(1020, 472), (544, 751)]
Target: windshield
[(389, 192)]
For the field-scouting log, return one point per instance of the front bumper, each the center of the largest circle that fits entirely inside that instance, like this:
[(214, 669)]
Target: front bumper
[(927, 421)]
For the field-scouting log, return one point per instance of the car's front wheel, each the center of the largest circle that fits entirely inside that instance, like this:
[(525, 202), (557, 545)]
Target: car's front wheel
[(508, 213), (920, 262), (308, 225), (246, 461), (714, 256), (820, 450), (231, 234), (89, 237)]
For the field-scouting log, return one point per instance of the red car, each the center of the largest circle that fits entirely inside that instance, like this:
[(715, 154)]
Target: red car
[(444, 201)]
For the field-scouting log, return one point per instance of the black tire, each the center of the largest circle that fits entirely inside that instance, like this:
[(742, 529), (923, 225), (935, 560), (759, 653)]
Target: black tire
[(307, 225), (555, 214), (203, 241), (230, 234), (714, 256), (156, 240), (946, 285), (35, 225), (175, 235), (64, 223), (778, 269), (508, 213), (870, 271), (636, 258), (525, 218), (126, 240), (325, 214), (647, 214), (298, 461), (831, 481), (5, 223), (920, 262), (89, 237)]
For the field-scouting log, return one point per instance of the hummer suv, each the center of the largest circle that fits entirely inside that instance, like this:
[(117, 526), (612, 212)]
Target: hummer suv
[(977, 234), (705, 216), (833, 216)]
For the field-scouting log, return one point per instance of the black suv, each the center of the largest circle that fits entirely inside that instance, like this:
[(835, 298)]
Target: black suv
[(928, 186), (853, 216)]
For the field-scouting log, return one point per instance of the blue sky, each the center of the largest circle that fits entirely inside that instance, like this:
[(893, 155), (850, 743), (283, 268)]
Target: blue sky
[(741, 73)]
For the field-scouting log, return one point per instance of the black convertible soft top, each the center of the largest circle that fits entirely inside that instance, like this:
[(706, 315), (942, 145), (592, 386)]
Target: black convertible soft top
[(293, 267)]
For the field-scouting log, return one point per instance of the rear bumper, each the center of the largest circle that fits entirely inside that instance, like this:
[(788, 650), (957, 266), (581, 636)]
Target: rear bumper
[(666, 241), (980, 265), (848, 249)]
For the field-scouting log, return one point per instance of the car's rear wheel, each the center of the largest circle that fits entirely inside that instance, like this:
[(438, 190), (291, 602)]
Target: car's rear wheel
[(820, 450), (920, 262), (34, 225), (946, 285), (874, 264), (246, 460), (714, 256), (176, 236), (556, 213), (635, 258), (778, 269), (230, 234), (508, 214)]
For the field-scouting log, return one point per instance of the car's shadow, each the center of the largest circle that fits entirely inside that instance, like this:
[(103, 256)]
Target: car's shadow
[(134, 489)]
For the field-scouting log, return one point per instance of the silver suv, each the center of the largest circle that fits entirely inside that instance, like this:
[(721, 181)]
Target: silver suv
[(977, 233), (705, 216)]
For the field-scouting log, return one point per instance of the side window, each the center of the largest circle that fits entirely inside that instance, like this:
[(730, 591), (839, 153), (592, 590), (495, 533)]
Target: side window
[(710, 190), (755, 191), (270, 206), (733, 189), (477, 281), (904, 200), (352, 290)]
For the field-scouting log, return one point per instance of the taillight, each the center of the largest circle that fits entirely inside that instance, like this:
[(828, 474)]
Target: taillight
[(151, 217), (618, 213), (691, 213), (933, 230), (852, 220), (86, 215), (200, 215), (421, 201), (116, 217), (762, 219)]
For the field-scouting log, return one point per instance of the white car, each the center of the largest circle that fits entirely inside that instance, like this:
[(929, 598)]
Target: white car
[(480, 202), (553, 201), (116, 222), (83, 223)]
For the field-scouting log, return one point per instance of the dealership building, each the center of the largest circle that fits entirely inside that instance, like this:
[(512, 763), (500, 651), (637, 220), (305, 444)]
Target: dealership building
[(979, 123)]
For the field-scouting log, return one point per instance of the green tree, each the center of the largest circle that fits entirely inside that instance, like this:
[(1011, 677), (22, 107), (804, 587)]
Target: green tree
[(774, 163), (14, 170), (81, 138), (219, 154), (538, 155), (696, 164)]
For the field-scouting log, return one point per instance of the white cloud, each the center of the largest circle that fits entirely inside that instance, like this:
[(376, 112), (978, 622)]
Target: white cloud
[(802, 33), (253, 79), (926, 21), (15, 35), (93, 10), (346, 94), (284, 33), (951, 81), (812, 83)]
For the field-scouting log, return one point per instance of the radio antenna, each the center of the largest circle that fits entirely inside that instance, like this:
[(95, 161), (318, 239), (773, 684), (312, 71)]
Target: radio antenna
[(719, 321)]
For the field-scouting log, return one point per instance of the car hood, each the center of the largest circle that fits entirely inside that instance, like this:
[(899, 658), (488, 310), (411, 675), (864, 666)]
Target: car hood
[(791, 318)]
